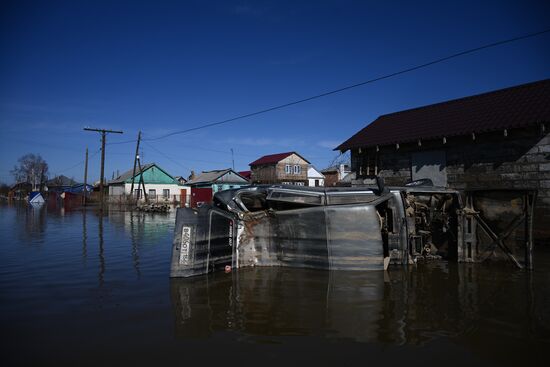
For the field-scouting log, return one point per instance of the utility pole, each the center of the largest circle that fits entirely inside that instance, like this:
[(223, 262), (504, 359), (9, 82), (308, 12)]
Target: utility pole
[(232, 159), (103, 135), (135, 162), (141, 180), (85, 191)]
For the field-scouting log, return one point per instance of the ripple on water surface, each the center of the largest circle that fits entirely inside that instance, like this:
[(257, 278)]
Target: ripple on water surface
[(80, 288)]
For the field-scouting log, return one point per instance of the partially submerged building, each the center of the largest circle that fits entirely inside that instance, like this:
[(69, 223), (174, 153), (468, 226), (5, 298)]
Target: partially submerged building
[(60, 184), (495, 140), (206, 184), (159, 184)]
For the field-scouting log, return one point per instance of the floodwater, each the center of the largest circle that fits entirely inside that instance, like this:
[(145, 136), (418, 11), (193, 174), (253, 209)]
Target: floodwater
[(80, 289)]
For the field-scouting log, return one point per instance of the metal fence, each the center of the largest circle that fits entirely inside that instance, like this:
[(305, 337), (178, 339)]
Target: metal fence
[(128, 199)]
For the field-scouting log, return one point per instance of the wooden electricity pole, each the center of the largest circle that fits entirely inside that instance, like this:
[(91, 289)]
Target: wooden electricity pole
[(135, 162), (85, 191), (141, 181), (103, 135)]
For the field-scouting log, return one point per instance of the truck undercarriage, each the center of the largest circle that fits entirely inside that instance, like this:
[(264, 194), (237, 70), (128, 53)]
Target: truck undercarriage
[(352, 228)]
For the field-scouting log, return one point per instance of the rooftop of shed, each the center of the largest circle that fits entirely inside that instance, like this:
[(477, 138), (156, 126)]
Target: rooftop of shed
[(507, 108)]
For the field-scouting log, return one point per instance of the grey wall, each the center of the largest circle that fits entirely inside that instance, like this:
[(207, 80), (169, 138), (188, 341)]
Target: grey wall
[(520, 160)]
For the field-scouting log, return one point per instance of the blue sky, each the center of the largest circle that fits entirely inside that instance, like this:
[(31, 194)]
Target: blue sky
[(162, 66)]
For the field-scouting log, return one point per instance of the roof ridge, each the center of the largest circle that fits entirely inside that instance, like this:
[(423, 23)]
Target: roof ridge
[(515, 106), (494, 91)]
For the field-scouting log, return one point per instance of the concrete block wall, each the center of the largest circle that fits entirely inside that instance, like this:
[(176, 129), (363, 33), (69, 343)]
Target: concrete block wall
[(519, 160)]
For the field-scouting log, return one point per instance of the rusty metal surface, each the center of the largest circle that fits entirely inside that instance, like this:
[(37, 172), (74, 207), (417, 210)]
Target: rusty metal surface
[(367, 230)]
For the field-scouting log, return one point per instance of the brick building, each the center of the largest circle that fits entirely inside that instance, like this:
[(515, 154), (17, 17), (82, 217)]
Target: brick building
[(495, 140)]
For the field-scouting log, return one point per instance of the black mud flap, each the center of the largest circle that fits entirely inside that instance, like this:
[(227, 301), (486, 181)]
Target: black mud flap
[(203, 241), (498, 225)]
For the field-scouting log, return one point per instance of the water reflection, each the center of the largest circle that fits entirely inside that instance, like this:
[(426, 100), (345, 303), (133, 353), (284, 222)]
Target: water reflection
[(135, 247), (399, 307), (101, 272), (84, 237), (34, 220), (101, 282)]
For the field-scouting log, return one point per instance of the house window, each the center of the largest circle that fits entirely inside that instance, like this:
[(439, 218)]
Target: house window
[(153, 193), (297, 169), (316, 183), (137, 193), (288, 169), (166, 193)]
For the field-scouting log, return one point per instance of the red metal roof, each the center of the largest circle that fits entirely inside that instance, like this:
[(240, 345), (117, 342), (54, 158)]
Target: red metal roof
[(274, 158), (245, 174), (517, 106)]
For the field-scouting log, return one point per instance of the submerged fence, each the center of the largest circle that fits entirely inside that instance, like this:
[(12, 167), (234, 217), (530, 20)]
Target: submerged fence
[(132, 199)]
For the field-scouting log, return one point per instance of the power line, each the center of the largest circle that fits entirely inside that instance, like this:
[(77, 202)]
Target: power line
[(387, 76), (166, 156), (122, 142), (58, 172)]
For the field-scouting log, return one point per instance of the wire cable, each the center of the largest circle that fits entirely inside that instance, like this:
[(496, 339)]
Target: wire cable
[(58, 172), (166, 156), (386, 76)]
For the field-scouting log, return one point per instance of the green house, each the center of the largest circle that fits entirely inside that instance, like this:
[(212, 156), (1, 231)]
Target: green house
[(159, 184)]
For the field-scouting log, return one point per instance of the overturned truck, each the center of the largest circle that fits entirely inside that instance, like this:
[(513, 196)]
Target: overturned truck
[(368, 228)]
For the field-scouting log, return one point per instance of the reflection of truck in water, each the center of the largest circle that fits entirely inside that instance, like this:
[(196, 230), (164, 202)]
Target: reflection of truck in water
[(351, 228)]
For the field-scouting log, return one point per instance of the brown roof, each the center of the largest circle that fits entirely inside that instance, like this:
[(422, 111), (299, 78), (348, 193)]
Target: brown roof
[(517, 106), (274, 158), (213, 176)]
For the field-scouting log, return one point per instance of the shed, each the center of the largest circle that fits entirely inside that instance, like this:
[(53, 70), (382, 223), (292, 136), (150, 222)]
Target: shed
[(314, 177), (494, 140), (206, 184)]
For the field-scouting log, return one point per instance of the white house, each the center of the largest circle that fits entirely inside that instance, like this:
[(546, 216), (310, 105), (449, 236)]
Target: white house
[(314, 177), (159, 184)]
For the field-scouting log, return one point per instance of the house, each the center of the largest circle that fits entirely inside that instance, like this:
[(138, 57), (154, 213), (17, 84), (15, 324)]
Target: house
[(286, 168), (493, 140), (19, 191), (159, 185), (314, 177), (335, 174), (206, 184), (60, 184), (182, 180)]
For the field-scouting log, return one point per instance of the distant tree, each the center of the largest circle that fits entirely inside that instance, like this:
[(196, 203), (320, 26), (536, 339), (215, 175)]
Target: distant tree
[(341, 158), (31, 169)]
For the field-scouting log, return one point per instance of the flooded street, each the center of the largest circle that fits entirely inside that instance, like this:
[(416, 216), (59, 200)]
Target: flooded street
[(78, 288)]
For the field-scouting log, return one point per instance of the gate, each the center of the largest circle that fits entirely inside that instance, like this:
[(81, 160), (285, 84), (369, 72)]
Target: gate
[(200, 196), (498, 224)]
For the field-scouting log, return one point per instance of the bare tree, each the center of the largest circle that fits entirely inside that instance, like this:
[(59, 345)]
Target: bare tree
[(31, 169), (341, 158)]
